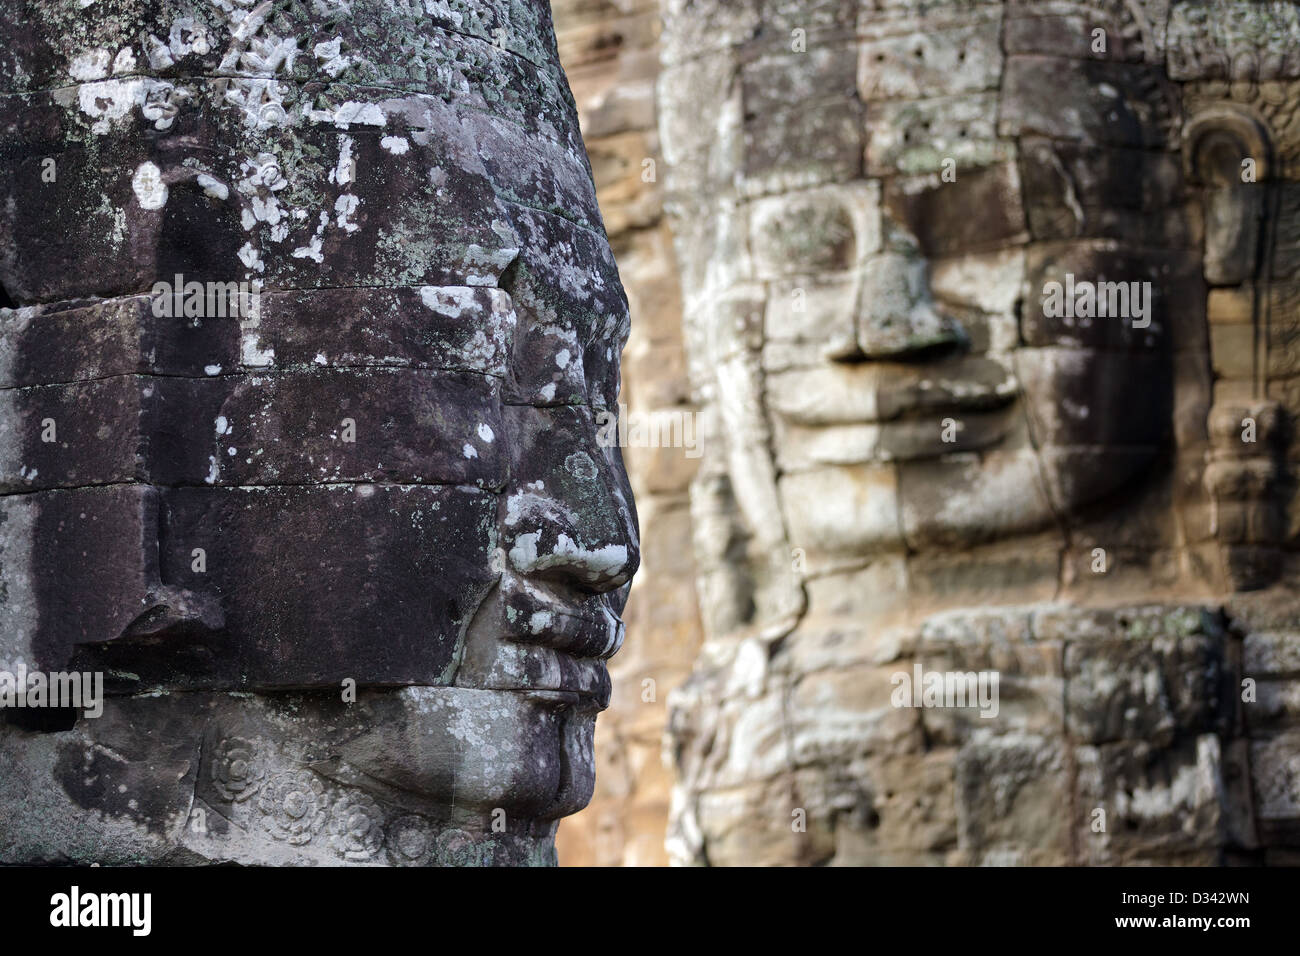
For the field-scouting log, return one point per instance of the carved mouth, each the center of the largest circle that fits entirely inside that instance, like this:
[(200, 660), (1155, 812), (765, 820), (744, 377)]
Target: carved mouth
[(581, 627), (891, 418), (869, 393), (540, 642), (929, 399), (582, 683), (565, 645), (552, 676)]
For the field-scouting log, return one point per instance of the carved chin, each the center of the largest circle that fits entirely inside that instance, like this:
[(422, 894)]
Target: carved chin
[(399, 776), (526, 752)]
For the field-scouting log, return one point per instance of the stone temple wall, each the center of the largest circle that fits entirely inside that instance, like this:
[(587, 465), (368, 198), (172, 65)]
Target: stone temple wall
[(860, 190)]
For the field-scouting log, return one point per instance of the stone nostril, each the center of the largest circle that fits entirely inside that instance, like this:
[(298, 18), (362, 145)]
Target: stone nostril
[(618, 598), (934, 351), (922, 335), (846, 353), (855, 357)]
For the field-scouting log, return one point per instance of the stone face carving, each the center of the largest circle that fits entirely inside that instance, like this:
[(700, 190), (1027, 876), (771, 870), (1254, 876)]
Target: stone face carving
[(312, 314), (920, 456)]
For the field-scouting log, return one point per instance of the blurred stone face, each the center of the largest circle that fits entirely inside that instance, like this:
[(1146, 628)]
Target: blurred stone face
[(929, 449), (312, 327), (898, 248)]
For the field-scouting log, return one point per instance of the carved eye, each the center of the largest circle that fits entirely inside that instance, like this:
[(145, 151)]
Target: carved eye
[(807, 234)]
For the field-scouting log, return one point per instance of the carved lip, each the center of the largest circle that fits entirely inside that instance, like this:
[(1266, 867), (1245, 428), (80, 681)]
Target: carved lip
[(870, 394), (927, 398), (552, 676), (576, 680), (550, 669), (931, 427), (555, 643), (581, 627), (569, 699)]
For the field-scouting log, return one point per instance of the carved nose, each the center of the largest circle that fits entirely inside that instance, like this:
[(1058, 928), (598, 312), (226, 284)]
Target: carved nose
[(555, 544), (896, 316), (570, 521)]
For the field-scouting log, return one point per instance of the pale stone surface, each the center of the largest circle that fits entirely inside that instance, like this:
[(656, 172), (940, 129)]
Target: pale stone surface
[(916, 464)]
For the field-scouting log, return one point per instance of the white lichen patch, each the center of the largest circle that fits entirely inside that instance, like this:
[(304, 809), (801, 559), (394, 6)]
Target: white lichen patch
[(188, 36), (397, 145), (262, 179), (524, 552), (346, 170), (483, 267), (251, 258), (331, 56), (311, 251), (354, 114), (451, 301), (213, 188), (480, 350), (93, 65), (157, 53), (262, 209), (592, 563), (345, 206), (162, 103), (150, 190), (251, 352), (125, 61), (600, 562), (110, 102)]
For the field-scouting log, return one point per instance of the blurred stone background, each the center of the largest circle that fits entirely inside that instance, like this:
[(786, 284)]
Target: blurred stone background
[(609, 49), (933, 793)]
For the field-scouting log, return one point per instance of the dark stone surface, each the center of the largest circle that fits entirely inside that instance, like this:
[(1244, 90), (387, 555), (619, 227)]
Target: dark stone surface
[(313, 491)]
